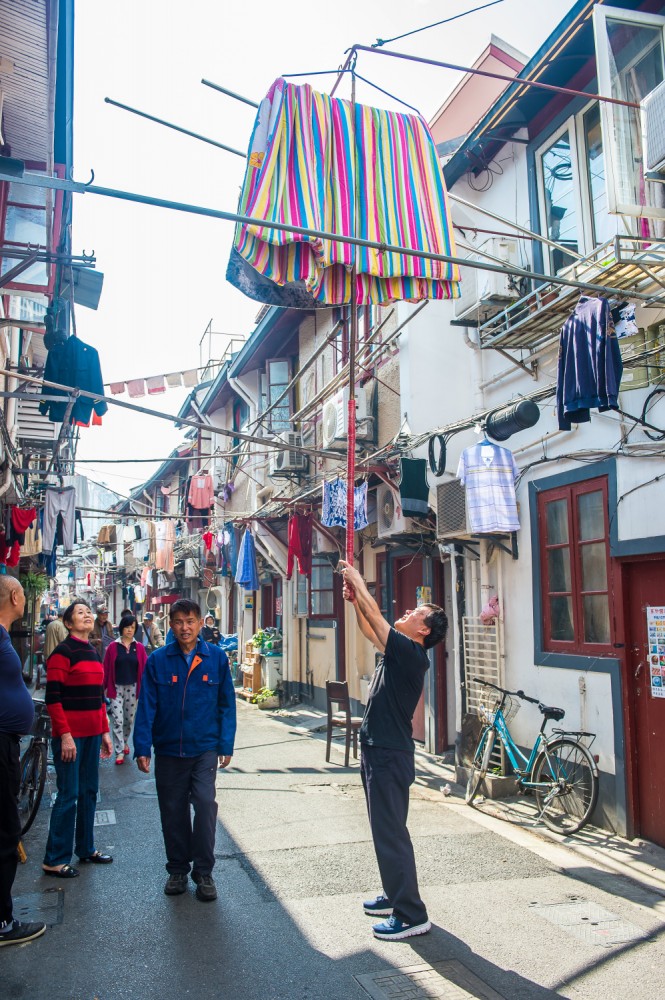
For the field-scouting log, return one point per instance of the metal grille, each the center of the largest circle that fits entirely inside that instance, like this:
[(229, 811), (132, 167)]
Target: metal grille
[(450, 510), (653, 124), (481, 659), (32, 425)]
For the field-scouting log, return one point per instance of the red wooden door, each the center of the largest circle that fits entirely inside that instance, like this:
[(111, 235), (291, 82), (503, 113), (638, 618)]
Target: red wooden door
[(645, 588), (408, 575)]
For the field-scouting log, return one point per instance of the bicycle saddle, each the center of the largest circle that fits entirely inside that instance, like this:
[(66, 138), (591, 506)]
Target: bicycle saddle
[(552, 713)]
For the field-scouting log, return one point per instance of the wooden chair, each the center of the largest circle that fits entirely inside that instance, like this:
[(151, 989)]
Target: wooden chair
[(337, 694)]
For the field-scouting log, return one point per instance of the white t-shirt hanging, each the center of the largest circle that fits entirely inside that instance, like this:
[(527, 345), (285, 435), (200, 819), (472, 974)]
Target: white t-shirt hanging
[(488, 473)]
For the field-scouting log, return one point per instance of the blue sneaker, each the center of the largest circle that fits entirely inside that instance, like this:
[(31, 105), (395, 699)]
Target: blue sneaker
[(378, 907), (394, 929)]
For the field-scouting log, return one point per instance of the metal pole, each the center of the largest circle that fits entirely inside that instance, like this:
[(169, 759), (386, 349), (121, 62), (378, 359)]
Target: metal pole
[(176, 128), (353, 339), (229, 93)]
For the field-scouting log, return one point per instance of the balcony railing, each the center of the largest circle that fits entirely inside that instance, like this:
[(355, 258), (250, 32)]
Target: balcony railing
[(627, 263)]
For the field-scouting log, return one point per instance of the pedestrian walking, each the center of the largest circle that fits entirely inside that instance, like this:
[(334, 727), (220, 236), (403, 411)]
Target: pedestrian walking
[(102, 632), (187, 712), (55, 634), (153, 637), (75, 703), (210, 632), (124, 663), (387, 764), (16, 717)]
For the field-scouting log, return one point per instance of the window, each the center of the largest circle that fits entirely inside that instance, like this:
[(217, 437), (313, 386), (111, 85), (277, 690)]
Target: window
[(321, 588), (240, 421), (25, 221), (301, 609), (559, 193), (630, 55), (382, 585), (341, 314), (575, 568), (277, 377)]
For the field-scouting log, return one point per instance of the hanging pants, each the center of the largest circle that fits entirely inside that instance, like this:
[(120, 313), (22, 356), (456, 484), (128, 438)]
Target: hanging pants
[(387, 776), (59, 501)]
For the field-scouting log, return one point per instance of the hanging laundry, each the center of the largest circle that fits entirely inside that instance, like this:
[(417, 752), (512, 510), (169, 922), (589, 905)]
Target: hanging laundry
[(590, 365), (303, 170), (117, 388), (413, 488), (136, 388), (247, 573), (20, 519), (190, 378), (201, 494), (165, 538), (32, 545), (488, 473), (174, 380), (59, 502), (334, 505), (300, 544), (207, 537), (155, 384), (625, 323), (75, 364)]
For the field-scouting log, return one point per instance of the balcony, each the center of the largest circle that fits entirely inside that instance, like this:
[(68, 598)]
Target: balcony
[(633, 265)]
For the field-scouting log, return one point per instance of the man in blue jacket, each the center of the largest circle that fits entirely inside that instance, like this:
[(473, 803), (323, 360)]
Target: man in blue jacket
[(187, 712)]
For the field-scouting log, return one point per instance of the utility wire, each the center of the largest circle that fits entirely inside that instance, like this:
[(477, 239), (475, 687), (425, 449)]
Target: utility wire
[(386, 41)]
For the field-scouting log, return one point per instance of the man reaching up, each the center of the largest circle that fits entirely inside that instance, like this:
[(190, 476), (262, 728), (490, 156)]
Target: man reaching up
[(387, 762)]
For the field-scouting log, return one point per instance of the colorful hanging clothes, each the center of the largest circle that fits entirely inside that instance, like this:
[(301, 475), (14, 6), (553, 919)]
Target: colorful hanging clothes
[(590, 366), (246, 571), (333, 514), (302, 171), (488, 473), (300, 544)]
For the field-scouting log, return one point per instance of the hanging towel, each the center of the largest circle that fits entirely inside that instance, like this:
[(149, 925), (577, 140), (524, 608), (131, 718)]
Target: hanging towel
[(413, 488), (333, 514), (155, 384), (300, 544), (207, 537), (590, 365), (488, 474), (302, 171), (116, 388), (136, 388), (246, 570), (190, 378), (174, 380)]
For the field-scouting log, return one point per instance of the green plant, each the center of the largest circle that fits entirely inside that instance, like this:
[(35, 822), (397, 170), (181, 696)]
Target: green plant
[(34, 584), (263, 694), (259, 638)]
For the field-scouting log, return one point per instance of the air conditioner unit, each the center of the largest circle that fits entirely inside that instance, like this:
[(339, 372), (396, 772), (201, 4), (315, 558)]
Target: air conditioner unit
[(335, 418), (286, 463), (653, 129), (451, 510), (390, 520), (484, 293)]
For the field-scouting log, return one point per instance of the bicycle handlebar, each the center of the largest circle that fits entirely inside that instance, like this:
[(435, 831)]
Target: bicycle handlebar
[(517, 694)]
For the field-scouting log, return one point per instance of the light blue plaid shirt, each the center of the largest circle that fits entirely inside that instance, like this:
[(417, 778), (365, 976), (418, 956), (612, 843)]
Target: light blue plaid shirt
[(488, 473)]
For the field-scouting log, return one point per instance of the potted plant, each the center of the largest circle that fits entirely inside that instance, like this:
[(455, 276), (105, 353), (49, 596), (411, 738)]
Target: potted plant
[(259, 638), (266, 698)]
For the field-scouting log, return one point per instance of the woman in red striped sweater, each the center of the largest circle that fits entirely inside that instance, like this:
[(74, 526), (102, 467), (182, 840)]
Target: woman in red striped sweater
[(75, 702)]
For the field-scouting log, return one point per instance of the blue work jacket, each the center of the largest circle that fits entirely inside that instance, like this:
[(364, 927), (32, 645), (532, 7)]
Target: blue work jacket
[(186, 711)]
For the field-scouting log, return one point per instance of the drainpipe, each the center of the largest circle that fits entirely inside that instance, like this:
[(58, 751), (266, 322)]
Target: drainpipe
[(12, 405)]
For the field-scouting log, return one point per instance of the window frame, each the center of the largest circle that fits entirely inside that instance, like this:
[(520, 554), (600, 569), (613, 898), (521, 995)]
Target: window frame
[(571, 492), (18, 285), (286, 402), (321, 560), (340, 345)]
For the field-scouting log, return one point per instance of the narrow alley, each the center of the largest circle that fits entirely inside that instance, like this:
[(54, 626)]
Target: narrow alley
[(515, 915)]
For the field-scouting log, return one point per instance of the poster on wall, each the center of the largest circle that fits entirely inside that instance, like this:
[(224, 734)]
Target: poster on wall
[(656, 647), (423, 596)]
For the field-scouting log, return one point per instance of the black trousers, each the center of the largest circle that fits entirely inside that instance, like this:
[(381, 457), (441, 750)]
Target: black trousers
[(10, 824), (183, 782), (387, 776)]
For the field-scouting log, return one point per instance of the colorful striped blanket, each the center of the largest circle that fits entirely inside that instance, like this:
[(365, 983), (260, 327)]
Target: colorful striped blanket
[(302, 171)]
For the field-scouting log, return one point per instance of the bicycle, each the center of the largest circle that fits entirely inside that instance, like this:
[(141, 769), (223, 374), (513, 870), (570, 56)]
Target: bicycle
[(33, 767), (560, 770)]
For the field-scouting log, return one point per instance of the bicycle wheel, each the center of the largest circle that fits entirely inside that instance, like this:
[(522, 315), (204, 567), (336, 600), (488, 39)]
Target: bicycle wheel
[(33, 776), (480, 763), (570, 774)]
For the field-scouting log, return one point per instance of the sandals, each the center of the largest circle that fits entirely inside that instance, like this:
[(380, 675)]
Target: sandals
[(67, 871), (97, 859), (120, 759), (126, 750)]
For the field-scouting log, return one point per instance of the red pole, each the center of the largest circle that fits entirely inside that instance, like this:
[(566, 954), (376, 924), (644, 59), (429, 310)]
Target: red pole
[(353, 340)]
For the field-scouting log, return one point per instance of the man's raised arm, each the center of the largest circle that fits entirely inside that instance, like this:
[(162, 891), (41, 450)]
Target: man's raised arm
[(370, 620)]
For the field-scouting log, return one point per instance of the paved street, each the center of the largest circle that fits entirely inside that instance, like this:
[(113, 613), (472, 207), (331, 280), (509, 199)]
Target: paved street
[(514, 915)]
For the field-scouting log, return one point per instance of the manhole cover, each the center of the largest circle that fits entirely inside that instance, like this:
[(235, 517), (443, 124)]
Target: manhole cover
[(448, 980), (589, 922), (46, 906), (105, 817)]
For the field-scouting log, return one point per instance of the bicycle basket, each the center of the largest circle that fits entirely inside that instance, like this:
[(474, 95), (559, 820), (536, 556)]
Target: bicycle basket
[(511, 707), (42, 721)]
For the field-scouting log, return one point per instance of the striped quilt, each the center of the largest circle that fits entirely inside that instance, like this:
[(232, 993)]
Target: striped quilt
[(302, 171)]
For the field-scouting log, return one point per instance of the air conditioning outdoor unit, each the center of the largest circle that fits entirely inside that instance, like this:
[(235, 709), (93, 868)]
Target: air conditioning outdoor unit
[(390, 520), (653, 129), (287, 462), (451, 510), (484, 293), (335, 418)]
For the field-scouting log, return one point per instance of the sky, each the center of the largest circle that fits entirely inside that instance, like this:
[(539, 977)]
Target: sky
[(164, 271)]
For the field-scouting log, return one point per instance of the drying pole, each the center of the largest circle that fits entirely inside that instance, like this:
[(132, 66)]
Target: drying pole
[(353, 340)]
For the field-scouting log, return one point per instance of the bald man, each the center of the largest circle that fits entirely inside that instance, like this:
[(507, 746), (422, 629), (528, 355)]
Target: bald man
[(16, 717)]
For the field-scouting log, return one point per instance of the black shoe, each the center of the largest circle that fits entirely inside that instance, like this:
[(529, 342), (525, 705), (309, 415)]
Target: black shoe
[(206, 890), (97, 859), (20, 933), (176, 884)]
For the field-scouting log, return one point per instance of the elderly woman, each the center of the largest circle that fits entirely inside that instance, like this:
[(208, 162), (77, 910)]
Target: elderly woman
[(75, 703), (124, 662)]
